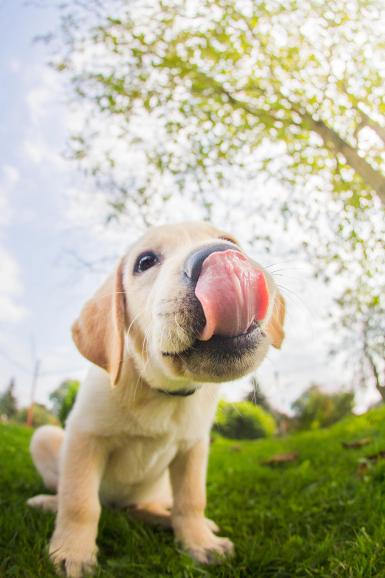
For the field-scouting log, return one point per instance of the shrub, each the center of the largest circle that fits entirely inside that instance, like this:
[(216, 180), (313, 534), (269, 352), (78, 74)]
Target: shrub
[(315, 408), (243, 420), (41, 416), (63, 398)]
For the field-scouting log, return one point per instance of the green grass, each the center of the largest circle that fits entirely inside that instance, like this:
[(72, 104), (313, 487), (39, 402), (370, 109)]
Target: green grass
[(314, 517)]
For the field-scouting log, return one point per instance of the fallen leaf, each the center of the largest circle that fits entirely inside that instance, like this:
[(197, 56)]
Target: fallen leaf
[(377, 456), (365, 463), (281, 459), (357, 443)]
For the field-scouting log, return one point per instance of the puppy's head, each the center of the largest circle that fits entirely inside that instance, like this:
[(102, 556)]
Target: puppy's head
[(187, 305)]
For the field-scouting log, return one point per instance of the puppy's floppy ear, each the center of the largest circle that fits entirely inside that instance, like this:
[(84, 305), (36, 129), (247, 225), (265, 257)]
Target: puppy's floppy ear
[(274, 328), (98, 333)]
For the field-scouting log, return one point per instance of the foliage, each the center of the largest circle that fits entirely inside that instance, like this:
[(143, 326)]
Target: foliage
[(243, 420), (223, 77), (317, 517), (63, 398), (8, 402), (314, 408), (220, 102), (41, 416)]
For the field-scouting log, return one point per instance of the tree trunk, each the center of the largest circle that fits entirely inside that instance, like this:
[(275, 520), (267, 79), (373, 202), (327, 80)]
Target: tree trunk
[(380, 388), (369, 175)]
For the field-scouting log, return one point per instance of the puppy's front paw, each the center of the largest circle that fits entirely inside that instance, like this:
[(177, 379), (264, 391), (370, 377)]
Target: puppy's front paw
[(71, 559), (200, 542), (212, 551)]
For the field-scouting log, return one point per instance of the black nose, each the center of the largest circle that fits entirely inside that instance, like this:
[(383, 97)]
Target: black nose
[(194, 262)]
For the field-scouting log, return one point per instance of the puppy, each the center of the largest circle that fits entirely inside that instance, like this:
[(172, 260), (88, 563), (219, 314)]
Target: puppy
[(185, 310)]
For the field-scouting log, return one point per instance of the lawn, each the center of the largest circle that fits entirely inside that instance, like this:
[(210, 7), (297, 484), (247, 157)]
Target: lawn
[(322, 515)]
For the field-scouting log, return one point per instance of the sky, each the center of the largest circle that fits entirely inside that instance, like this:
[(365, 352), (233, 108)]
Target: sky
[(49, 232)]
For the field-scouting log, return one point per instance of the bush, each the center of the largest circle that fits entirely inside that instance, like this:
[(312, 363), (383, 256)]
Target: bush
[(41, 416), (63, 398), (315, 408), (243, 420)]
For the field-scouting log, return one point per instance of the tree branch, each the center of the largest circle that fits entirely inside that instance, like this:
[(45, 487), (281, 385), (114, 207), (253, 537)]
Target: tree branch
[(370, 122), (331, 139), (366, 120)]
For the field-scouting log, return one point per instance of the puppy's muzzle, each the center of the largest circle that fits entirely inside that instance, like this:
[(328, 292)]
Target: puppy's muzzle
[(193, 264), (231, 289), (226, 298)]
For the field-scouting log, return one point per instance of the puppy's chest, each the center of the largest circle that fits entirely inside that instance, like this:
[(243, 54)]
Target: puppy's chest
[(175, 421), (148, 439), (137, 459)]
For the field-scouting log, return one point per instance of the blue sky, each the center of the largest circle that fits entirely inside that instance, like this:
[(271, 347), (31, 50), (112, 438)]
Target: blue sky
[(40, 285), (44, 228)]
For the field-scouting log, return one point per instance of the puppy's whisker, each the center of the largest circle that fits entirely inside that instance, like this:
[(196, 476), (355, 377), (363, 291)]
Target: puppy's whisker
[(146, 356), (298, 301), (133, 321), (286, 276), (145, 347), (281, 263)]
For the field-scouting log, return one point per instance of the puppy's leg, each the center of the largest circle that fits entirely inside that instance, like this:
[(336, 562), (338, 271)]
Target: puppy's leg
[(45, 448), (73, 544), (188, 479)]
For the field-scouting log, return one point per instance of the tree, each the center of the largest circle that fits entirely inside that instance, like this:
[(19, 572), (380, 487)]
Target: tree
[(63, 398), (220, 78), (361, 317), (8, 403), (185, 99), (314, 408)]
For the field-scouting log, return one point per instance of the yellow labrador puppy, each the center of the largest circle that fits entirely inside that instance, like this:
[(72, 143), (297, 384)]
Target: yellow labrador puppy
[(184, 310)]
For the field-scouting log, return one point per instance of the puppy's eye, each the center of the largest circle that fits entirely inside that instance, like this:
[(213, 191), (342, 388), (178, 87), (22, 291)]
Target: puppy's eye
[(145, 261)]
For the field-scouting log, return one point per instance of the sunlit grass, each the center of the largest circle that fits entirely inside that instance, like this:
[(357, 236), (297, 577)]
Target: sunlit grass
[(317, 516)]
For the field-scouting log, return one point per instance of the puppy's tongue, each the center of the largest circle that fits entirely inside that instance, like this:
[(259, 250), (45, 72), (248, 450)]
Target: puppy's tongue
[(232, 292)]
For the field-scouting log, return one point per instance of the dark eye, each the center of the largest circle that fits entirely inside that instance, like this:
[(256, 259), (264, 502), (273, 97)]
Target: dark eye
[(145, 261)]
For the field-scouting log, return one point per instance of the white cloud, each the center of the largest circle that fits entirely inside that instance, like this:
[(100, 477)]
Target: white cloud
[(44, 94), (10, 288), (14, 65), (9, 177), (43, 141), (11, 174), (58, 364), (10, 282), (37, 149)]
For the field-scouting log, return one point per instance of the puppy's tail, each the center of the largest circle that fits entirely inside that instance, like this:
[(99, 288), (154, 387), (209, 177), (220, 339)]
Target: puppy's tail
[(45, 449)]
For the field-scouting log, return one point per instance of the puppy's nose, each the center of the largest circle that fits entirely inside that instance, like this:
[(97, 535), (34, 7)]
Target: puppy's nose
[(194, 262)]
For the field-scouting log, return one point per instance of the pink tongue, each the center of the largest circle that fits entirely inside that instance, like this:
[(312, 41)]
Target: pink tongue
[(232, 292)]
